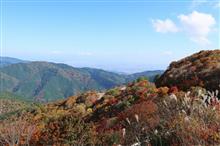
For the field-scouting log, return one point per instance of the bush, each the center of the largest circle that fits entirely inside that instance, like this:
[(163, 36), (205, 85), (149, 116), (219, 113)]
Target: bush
[(141, 79), (67, 130), (18, 132)]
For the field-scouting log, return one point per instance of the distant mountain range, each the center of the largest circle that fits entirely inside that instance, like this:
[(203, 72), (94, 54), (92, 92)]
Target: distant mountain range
[(4, 61), (46, 81)]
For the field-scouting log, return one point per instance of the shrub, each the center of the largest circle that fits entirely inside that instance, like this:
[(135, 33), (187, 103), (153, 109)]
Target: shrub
[(67, 130), (17, 132), (143, 78)]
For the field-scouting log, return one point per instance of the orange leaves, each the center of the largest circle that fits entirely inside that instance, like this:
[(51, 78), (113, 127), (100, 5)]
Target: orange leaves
[(173, 90), (200, 69), (66, 130), (139, 112), (163, 91), (146, 111), (16, 132)]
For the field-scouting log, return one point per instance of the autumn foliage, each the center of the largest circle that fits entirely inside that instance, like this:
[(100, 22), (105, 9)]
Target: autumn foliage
[(136, 114), (200, 69)]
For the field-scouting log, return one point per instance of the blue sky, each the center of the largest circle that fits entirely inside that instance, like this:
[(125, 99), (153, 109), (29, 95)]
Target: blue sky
[(123, 36)]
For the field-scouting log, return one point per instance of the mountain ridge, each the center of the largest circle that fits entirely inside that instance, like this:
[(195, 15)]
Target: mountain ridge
[(5, 61), (48, 81), (199, 69), (138, 113)]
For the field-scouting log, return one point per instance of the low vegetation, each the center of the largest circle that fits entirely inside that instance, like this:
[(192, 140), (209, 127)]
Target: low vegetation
[(200, 69), (136, 114)]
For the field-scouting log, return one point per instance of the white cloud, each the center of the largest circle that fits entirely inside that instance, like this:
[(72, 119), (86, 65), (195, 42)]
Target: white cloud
[(164, 26), (197, 26)]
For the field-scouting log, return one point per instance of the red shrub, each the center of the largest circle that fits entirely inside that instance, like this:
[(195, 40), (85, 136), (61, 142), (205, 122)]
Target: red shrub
[(173, 90)]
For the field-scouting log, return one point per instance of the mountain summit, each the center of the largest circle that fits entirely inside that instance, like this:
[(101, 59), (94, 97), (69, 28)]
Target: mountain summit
[(200, 69)]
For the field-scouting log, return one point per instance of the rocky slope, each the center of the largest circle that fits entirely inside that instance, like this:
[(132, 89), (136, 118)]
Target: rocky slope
[(200, 69)]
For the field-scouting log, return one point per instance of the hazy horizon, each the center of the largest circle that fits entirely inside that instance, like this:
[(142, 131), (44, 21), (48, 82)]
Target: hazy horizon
[(122, 36), (106, 69)]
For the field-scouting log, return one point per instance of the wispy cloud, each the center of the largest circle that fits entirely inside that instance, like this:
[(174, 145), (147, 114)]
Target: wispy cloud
[(164, 26), (196, 25)]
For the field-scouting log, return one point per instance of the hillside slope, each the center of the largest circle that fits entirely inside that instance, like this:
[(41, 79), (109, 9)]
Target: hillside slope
[(45, 81), (200, 69), (149, 74), (11, 104), (136, 114)]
